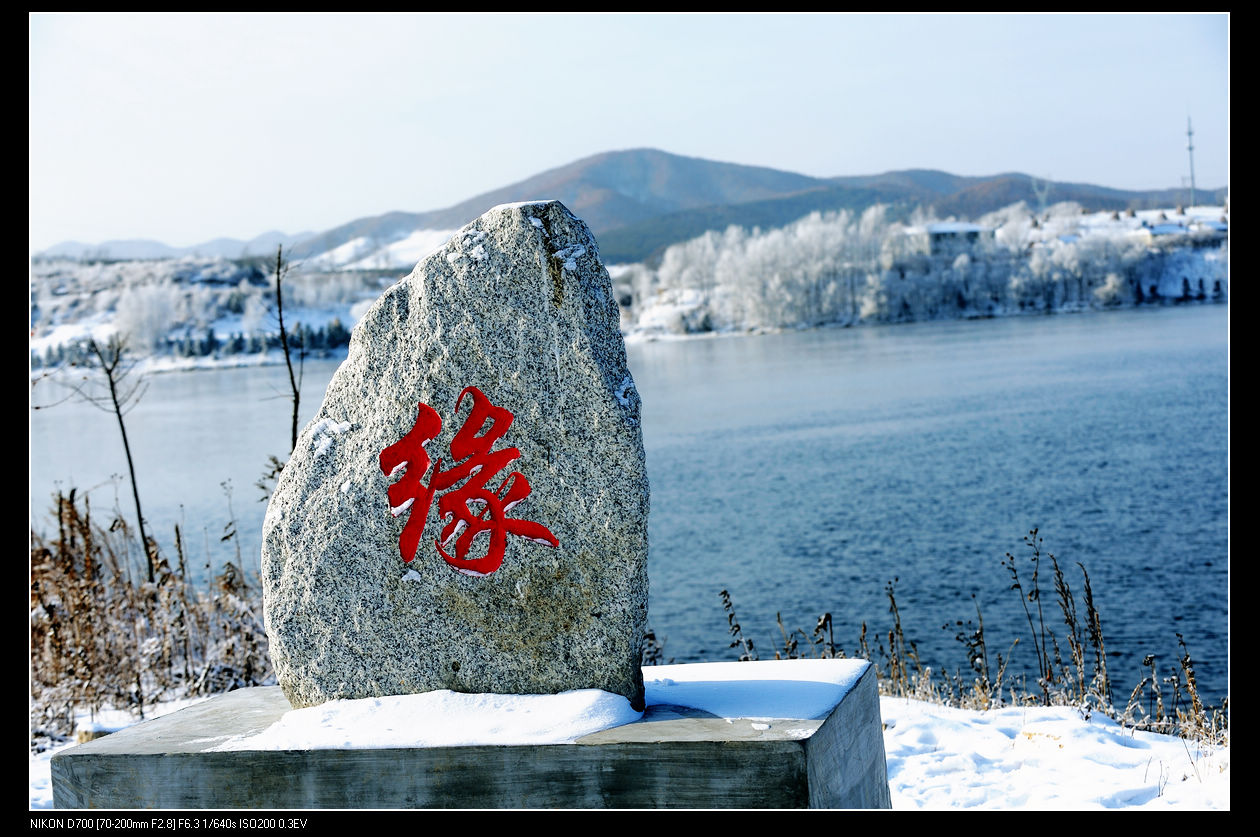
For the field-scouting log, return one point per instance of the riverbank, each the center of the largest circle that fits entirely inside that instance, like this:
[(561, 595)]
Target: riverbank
[(633, 335), (839, 268)]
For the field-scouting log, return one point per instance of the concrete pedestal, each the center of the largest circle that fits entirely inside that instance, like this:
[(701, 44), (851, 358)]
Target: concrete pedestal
[(673, 757)]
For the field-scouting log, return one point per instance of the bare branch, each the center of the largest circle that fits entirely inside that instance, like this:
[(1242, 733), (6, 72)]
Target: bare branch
[(49, 376), (282, 270), (113, 363)]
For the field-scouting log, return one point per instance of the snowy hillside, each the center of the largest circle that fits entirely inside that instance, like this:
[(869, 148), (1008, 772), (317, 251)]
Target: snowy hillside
[(837, 268), (364, 253), (192, 311), (843, 268)]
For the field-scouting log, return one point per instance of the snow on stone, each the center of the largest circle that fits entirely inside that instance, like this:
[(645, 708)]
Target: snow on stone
[(442, 719), (766, 689), (460, 248), (623, 391), (322, 434), (274, 513), (518, 203), (762, 690), (327, 425), (570, 255)]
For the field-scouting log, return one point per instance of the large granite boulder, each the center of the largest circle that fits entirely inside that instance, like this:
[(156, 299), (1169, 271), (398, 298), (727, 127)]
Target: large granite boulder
[(468, 508)]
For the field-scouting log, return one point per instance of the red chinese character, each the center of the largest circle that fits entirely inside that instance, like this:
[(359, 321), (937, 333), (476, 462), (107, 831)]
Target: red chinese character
[(476, 463)]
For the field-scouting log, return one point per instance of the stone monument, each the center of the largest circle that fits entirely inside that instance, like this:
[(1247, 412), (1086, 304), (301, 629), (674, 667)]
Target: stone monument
[(468, 509)]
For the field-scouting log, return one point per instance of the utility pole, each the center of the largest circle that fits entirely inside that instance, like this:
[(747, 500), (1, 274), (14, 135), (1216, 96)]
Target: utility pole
[(1190, 148)]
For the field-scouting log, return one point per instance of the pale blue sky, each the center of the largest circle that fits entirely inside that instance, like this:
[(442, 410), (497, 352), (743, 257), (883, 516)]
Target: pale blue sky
[(184, 127)]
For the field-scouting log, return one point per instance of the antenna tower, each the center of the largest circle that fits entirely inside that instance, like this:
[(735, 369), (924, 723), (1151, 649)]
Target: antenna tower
[(1190, 148), (1041, 188)]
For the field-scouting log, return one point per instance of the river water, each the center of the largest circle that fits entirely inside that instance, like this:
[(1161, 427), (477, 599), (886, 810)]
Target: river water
[(804, 471)]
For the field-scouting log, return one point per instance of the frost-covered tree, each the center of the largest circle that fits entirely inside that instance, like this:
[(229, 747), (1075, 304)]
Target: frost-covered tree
[(255, 319), (838, 268), (146, 313)]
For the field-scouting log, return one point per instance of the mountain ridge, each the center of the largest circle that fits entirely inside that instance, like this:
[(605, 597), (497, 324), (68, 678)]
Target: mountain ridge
[(639, 201)]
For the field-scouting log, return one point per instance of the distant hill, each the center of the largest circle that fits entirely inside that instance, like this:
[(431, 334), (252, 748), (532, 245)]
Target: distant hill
[(647, 239), (126, 250), (638, 202), (903, 191), (607, 191), (116, 249)]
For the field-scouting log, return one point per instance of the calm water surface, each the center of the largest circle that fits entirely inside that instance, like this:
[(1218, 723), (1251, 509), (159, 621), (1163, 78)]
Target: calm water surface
[(804, 471)]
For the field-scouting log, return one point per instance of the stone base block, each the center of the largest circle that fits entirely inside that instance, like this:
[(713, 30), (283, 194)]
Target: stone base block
[(674, 757)]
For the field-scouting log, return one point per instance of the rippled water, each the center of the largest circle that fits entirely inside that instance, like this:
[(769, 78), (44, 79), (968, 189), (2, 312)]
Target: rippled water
[(804, 471)]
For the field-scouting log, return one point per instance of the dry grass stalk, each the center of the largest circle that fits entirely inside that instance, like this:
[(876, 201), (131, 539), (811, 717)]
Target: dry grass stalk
[(102, 635), (1081, 680)]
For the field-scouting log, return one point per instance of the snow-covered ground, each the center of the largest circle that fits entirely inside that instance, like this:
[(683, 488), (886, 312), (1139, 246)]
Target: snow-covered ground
[(1044, 758), (108, 720), (840, 268), (826, 268)]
